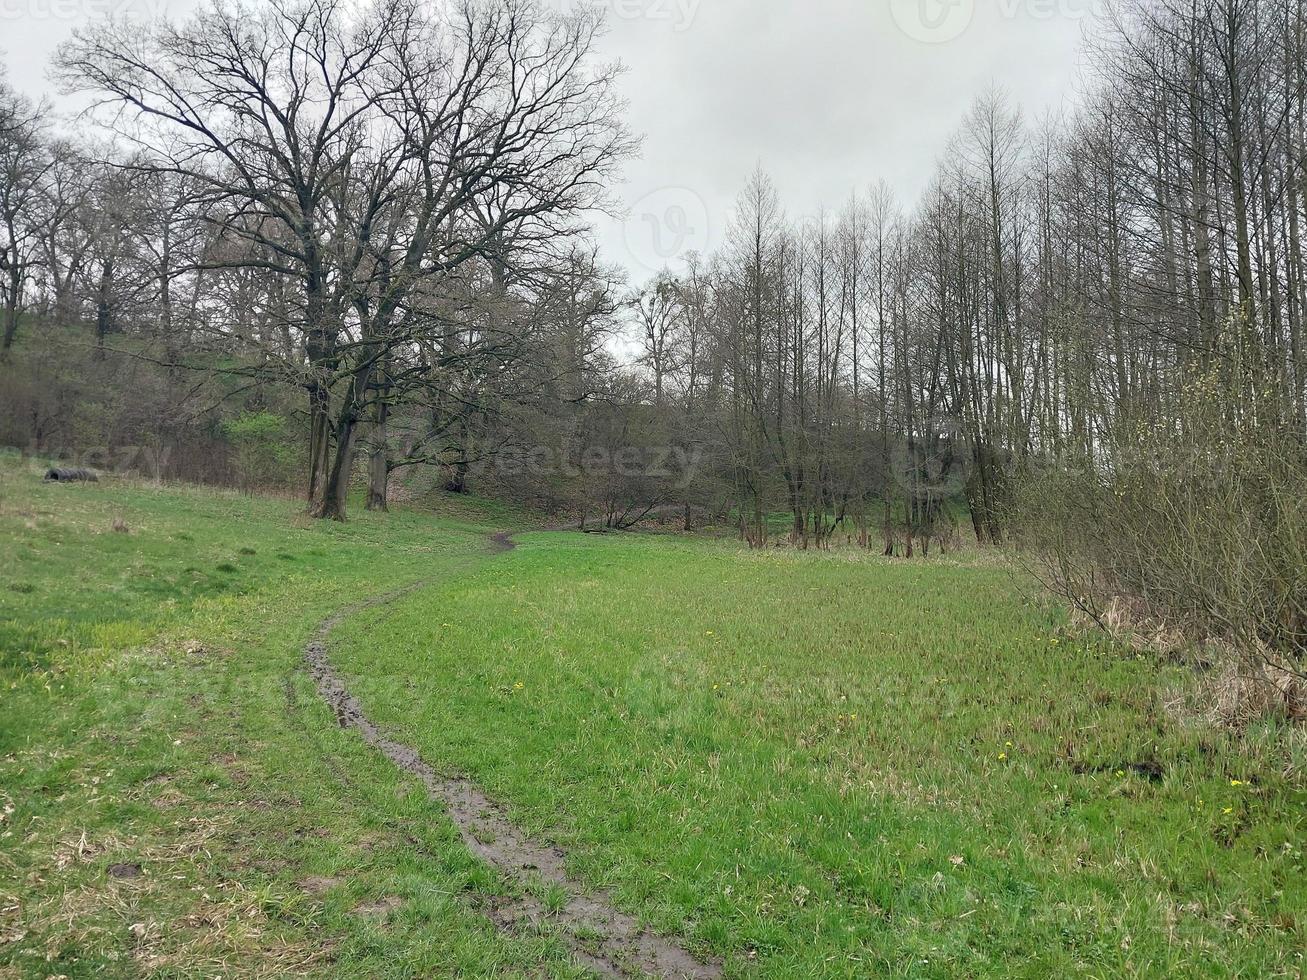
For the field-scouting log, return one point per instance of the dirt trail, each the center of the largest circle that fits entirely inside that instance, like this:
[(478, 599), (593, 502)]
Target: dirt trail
[(601, 938)]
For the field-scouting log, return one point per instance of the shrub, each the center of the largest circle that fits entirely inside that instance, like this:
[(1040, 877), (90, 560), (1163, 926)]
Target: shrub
[(1189, 531), (262, 455)]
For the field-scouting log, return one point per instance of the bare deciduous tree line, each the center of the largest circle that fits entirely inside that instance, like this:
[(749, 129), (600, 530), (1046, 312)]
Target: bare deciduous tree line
[(1059, 286), (385, 212)]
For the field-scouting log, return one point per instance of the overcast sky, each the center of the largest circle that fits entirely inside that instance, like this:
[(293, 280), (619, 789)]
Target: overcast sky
[(829, 95)]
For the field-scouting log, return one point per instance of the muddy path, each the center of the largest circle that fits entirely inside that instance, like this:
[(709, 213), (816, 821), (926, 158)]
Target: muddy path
[(601, 938)]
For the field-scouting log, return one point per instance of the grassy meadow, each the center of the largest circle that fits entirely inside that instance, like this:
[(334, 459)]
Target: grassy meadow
[(808, 765)]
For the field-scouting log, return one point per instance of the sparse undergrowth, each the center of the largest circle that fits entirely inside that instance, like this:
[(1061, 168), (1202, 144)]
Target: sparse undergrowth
[(815, 765)]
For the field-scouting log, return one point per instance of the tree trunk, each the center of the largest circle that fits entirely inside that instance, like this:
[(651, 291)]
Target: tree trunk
[(11, 325), (458, 479), (378, 481), (379, 458), (331, 506), (13, 265), (103, 309), (319, 442)]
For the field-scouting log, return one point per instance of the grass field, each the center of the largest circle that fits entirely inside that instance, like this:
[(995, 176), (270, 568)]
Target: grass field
[(807, 765)]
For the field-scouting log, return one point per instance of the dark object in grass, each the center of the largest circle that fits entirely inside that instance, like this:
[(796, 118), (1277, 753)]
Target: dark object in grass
[(70, 474), (1152, 771), (124, 871)]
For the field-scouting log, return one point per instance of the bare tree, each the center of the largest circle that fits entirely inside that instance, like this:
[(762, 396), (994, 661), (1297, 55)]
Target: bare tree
[(348, 151), (660, 316), (24, 161)]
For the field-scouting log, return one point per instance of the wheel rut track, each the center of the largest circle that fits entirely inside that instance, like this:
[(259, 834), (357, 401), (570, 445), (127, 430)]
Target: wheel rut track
[(600, 937)]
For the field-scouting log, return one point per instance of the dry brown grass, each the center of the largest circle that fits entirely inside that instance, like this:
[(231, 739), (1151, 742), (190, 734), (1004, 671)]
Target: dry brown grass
[(1242, 691), (1233, 687), (213, 925)]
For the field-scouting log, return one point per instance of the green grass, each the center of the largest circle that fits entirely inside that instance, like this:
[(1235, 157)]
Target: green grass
[(842, 766), (153, 712), (799, 762)]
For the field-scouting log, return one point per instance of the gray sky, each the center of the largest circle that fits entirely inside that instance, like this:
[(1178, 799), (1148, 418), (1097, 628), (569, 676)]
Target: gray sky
[(829, 95)]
